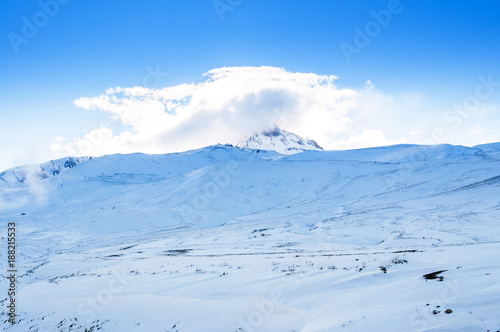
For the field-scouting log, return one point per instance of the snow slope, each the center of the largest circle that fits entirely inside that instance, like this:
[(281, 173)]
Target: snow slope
[(233, 239)]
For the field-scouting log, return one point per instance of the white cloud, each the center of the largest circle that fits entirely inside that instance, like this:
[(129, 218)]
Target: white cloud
[(230, 103), (54, 147)]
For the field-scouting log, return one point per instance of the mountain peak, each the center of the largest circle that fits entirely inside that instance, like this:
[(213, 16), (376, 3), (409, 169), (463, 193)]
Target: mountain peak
[(279, 140)]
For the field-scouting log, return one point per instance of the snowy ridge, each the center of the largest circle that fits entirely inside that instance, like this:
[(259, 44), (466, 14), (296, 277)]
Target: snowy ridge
[(51, 168), (402, 153), (232, 239), (279, 140)]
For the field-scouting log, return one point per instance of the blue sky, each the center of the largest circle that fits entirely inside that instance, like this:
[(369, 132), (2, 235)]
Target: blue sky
[(427, 59)]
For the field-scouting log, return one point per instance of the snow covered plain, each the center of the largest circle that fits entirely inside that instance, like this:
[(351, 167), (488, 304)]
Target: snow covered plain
[(229, 239)]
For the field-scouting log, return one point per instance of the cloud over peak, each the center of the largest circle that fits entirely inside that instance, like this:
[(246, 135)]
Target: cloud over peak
[(230, 103), (227, 104)]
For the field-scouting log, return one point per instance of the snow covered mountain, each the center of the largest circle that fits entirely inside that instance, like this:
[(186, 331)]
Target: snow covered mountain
[(25, 173), (279, 140), (230, 239)]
